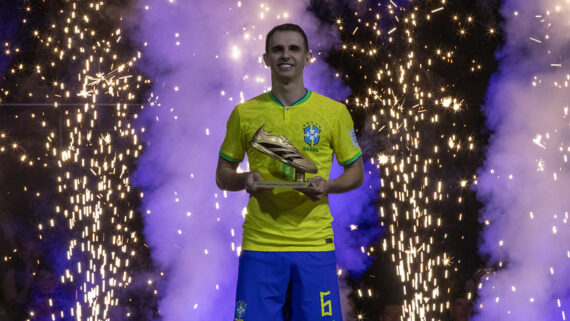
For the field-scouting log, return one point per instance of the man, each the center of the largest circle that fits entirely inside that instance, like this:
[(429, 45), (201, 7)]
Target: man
[(288, 248)]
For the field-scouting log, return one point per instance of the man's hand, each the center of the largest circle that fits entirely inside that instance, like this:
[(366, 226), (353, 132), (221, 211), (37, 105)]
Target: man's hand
[(350, 179), (319, 188), (227, 178), (253, 177)]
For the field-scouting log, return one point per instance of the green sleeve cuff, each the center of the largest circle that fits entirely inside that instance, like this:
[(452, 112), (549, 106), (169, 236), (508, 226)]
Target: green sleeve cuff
[(229, 159), (352, 160)]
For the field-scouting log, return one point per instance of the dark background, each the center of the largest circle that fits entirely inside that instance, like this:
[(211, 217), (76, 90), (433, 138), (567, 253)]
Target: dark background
[(27, 267)]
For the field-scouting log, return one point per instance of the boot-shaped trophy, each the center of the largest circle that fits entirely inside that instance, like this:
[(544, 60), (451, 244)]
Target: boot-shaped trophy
[(280, 148)]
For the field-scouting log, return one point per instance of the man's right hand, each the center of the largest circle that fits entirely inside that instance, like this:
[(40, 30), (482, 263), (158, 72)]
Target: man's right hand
[(227, 178), (250, 187)]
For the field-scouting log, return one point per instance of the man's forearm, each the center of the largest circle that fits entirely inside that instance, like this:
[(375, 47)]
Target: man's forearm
[(350, 179), (229, 180)]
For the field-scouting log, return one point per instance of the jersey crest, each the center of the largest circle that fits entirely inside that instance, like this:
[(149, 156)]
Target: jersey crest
[(312, 134)]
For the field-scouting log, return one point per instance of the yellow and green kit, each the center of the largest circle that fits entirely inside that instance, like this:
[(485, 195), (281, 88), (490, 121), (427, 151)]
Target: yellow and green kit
[(285, 219)]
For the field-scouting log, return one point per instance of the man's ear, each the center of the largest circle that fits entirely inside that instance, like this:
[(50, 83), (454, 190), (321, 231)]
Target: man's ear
[(266, 60), (308, 58)]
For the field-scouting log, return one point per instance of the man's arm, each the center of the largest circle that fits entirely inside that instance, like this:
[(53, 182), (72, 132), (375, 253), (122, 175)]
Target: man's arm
[(351, 178), (227, 177)]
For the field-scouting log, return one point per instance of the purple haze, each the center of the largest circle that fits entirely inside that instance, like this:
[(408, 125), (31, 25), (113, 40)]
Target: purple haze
[(525, 182), (204, 59)]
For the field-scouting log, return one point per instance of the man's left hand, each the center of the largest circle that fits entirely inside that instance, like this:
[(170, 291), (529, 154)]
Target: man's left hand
[(319, 188)]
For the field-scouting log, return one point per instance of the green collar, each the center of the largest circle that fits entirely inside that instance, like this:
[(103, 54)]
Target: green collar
[(298, 102)]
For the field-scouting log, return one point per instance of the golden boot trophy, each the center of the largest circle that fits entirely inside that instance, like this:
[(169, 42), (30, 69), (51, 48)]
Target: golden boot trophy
[(280, 148)]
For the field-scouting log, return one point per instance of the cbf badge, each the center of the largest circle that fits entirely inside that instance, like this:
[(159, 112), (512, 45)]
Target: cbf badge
[(240, 310), (312, 134)]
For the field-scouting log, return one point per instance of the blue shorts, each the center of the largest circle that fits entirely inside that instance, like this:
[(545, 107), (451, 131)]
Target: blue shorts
[(296, 286)]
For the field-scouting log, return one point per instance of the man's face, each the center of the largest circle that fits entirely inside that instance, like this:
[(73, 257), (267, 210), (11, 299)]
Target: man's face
[(287, 56)]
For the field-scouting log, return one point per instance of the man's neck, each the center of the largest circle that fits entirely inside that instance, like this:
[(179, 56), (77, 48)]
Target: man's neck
[(288, 93)]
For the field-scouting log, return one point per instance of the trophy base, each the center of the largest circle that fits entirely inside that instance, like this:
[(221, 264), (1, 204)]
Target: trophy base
[(291, 185), (298, 183)]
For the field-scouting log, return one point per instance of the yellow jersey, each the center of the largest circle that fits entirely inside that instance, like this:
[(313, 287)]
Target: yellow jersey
[(285, 219)]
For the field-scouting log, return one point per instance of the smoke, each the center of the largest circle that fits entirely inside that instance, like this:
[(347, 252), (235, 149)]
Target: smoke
[(203, 59), (9, 31), (525, 181), (356, 221)]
